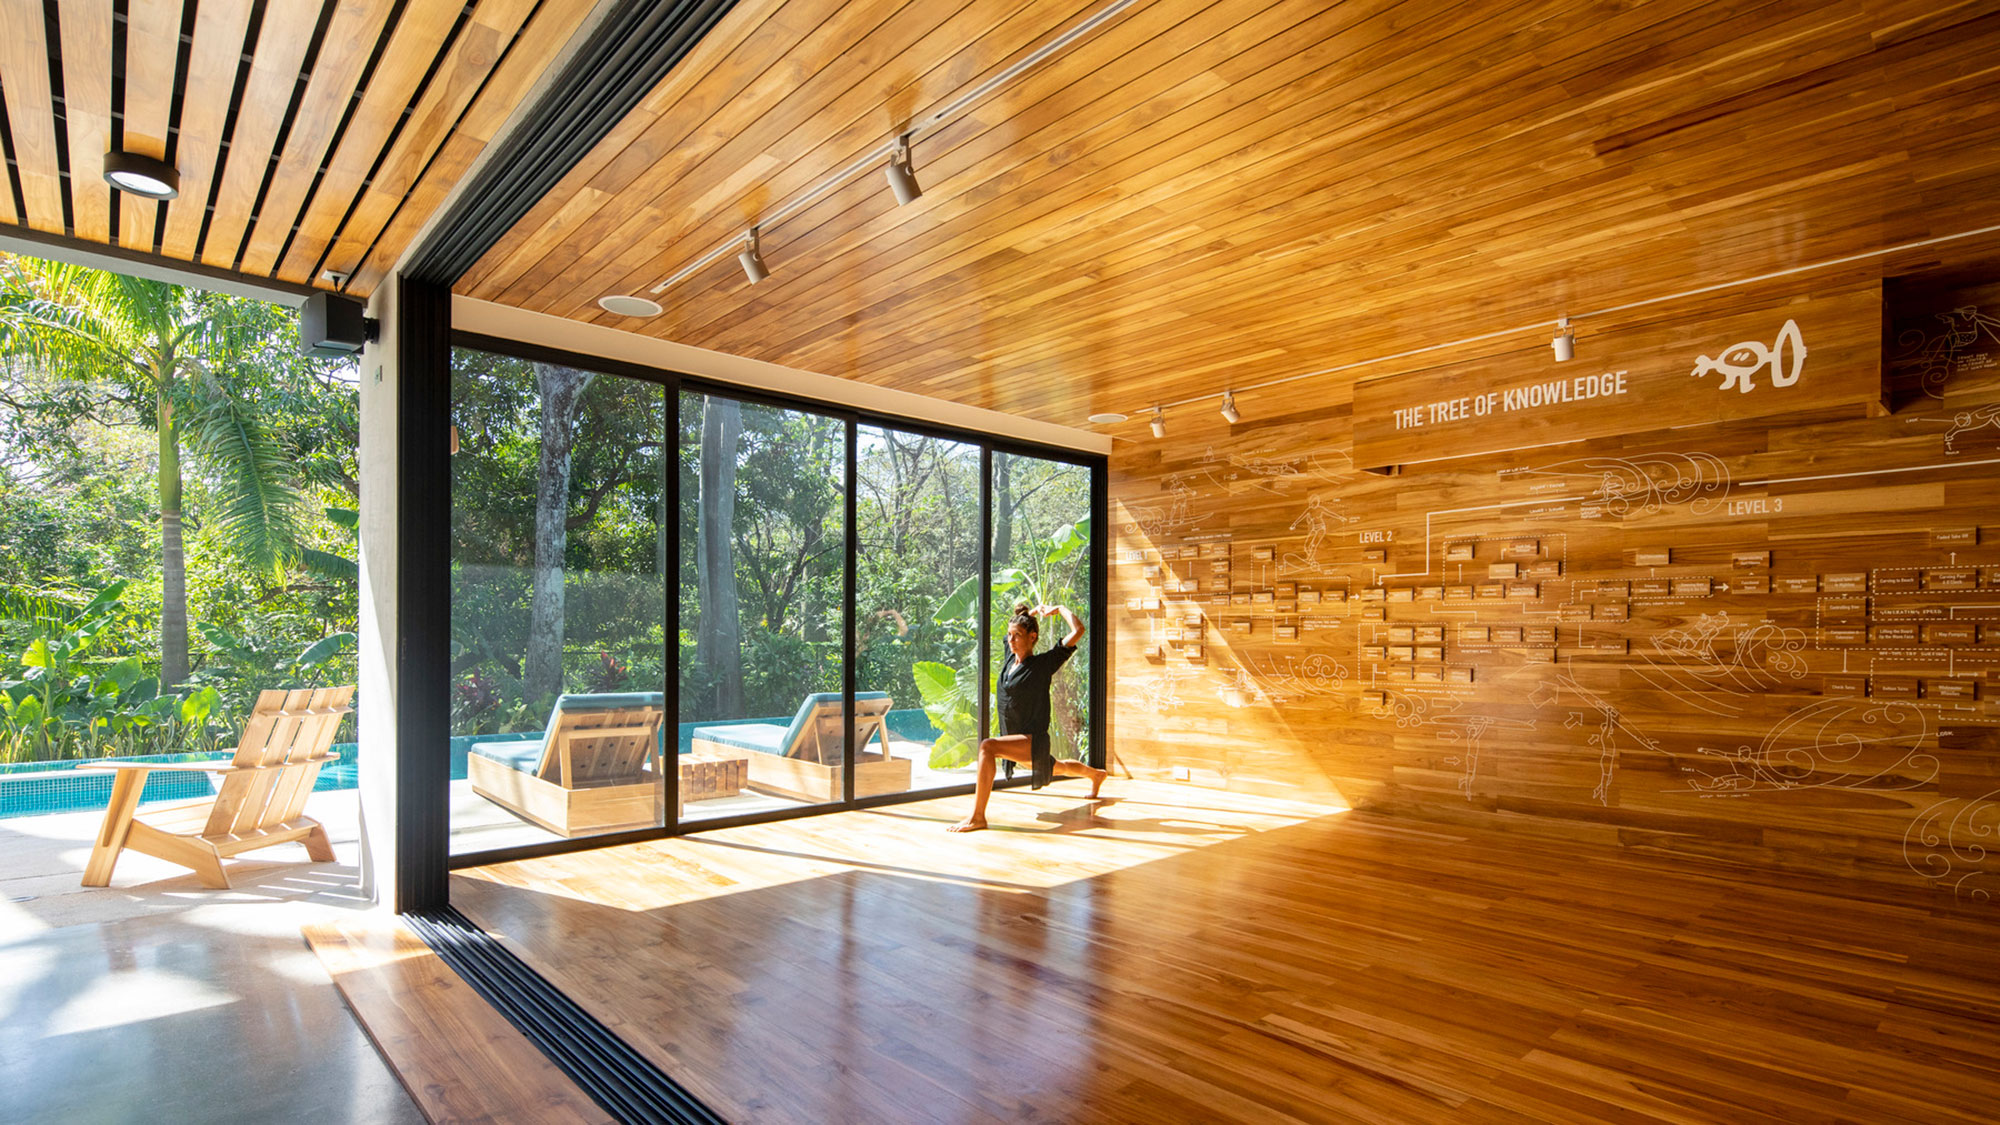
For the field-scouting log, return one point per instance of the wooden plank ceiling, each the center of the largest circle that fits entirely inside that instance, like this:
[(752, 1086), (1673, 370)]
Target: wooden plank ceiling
[(1205, 193), (310, 135)]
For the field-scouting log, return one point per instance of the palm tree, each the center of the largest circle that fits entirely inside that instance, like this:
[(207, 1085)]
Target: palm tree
[(163, 353)]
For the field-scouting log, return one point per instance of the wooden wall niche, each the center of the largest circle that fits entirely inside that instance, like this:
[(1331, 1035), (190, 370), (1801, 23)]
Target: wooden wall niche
[(1771, 640)]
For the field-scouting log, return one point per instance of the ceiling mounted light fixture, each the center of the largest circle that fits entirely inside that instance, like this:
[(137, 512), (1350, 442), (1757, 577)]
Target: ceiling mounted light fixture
[(141, 175), (1159, 422), (1565, 341), (620, 304), (903, 174), (1109, 418), (1229, 410), (752, 258)]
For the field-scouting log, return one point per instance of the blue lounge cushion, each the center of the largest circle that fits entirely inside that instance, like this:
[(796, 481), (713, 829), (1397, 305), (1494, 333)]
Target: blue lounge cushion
[(771, 738), (525, 755)]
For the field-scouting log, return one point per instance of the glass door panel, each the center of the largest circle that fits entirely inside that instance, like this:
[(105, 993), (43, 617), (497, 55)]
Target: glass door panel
[(761, 621), (917, 603)]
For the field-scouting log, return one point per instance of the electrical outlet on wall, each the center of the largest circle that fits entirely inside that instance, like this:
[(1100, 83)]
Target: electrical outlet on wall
[(1183, 773)]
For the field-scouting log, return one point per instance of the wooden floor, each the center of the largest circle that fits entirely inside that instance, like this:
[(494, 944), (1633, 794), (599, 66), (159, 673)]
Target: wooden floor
[(1184, 955)]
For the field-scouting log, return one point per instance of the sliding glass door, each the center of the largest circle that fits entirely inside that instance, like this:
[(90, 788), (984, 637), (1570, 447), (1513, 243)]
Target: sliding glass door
[(1042, 555), (761, 623), (676, 605), (558, 602), (917, 599)]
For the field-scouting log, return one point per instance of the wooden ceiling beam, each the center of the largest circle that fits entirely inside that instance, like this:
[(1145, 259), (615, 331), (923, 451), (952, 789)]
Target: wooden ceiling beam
[(152, 56), (275, 64), (216, 58), (24, 81), (86, 55), (350, 41), (378, 122)]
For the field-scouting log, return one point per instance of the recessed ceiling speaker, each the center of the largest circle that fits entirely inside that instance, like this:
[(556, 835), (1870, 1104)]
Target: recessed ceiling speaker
[(903, 174), (141, 175), (752, 259), (1229, 410), (1564, 343), (1107, 419), (621, 305), (333, 327)]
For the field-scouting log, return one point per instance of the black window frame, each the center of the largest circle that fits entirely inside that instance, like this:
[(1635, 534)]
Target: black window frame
[(675, 383)]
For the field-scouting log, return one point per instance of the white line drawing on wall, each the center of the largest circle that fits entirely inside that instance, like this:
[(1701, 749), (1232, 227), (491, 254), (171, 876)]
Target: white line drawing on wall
[(1275, 473), (1739, 363), (1160, 693), (1854, 744), (1469, 730), (1643, 484), (1712, 677), (1285, 678), (1935, 355), (1319, 518), (1948, 844), (1156, 521), (1609, 723), (1977, 418)]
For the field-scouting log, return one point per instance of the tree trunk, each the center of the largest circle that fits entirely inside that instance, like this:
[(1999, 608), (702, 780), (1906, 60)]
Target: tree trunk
[(173, 558), (718, 634), (1003, 509), (561, 390)]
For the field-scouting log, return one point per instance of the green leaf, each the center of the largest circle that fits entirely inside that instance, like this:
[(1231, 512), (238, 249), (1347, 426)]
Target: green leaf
[(38, 654), (326, 648), (326, 564), (345, 517), (961, 605)]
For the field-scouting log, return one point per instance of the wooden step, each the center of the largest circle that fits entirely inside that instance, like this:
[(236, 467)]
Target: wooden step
[(459, 1059)]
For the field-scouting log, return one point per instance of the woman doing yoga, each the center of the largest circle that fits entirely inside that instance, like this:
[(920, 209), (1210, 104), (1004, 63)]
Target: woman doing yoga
[(1022, 699)]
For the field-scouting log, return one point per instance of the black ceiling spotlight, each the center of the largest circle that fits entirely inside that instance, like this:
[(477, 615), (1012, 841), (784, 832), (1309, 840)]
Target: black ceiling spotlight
[(141, 175), (332, 326)]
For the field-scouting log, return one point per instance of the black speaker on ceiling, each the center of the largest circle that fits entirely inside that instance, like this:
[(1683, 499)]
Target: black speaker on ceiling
[(332, 326)]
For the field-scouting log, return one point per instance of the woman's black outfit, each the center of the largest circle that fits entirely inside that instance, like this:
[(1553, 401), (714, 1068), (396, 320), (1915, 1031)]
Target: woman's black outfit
[(1023, 703)]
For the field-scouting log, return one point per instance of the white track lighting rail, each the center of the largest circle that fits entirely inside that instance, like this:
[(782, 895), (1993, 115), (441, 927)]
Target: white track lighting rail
[(890, 147)]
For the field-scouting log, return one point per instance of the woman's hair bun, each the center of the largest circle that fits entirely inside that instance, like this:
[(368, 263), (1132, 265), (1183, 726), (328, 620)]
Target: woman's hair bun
[(1021, 609)]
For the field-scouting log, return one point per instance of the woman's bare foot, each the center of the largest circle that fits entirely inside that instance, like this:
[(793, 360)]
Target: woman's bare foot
[(969, 824), (1097, 777)]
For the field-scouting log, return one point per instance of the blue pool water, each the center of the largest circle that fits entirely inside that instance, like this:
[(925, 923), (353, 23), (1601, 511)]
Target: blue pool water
[(37, 788)]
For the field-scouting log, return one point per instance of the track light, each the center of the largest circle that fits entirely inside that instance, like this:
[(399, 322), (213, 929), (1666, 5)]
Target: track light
[(141, 175), (902, 174), (1159, 423), (1565, 342), (1229, 410), (752, 259)]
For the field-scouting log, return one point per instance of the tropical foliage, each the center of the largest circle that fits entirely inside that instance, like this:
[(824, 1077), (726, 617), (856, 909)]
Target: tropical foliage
[(757, 616), (177, 496)]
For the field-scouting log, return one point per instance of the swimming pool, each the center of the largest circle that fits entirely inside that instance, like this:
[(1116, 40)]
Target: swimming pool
[(39, 788)]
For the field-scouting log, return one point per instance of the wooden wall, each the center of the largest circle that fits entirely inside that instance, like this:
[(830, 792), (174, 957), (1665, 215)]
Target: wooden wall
[(1771, 640)]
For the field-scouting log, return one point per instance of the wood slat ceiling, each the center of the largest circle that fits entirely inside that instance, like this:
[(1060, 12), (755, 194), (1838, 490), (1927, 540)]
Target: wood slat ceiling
[(1209, 193), (310, 135)]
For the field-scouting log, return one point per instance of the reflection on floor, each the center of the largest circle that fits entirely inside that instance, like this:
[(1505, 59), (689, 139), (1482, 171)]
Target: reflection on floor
[(1181, 954), (159, 1000)]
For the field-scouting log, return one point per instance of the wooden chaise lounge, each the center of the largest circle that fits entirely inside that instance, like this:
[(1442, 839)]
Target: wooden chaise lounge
[(802, 761), (593, 770), (258, 804)]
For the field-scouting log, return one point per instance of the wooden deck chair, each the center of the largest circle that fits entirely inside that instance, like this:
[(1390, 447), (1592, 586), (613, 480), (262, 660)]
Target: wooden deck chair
[(802, 761), (593, 771), (259, 801)]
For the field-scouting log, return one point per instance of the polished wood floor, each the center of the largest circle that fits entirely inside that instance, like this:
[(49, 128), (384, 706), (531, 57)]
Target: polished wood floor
[(1187, 955)]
